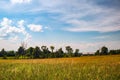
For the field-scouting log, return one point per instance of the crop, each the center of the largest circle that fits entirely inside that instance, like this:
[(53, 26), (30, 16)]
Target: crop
[(81, 68)]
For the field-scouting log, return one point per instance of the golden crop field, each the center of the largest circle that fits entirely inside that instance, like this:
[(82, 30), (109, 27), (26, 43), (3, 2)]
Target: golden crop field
[(81, 68)]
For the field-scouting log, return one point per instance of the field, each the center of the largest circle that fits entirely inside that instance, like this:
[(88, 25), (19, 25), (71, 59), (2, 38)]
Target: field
[(81, 68)]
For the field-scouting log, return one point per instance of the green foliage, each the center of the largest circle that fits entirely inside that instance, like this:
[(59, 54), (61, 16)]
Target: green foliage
[(30, 52), (76, 53), (11, 53), (44, 52), (114, 51), (21, 51), (97, 52), (104, 50), (4, 54), (36, 52), (70, 51), (52, 48), (59, 53)]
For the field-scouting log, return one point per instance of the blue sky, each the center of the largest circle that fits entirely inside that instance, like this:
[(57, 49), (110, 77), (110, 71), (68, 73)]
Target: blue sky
[(83, 24)]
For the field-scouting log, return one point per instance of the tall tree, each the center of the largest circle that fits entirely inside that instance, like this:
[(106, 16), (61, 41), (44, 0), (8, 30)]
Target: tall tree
[(52, 48), (53, 54), (43, 48), (0, 54), (114, 51), (36, 52), (76, 52), (59, 53), (104, 50), (3, 52), (30, 52), (97, 52), (21, 51), (11, 53), (44, 51), (70, 51)]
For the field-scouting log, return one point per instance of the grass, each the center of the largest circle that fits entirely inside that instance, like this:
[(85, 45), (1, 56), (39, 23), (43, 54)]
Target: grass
[(81, 68)]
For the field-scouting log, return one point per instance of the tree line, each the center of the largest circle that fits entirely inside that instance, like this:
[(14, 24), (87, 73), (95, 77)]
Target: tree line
[(105, 51), (44, 52), (40, 52)]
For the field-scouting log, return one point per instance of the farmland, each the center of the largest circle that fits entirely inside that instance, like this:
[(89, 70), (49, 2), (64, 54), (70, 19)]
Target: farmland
[(80, 68)]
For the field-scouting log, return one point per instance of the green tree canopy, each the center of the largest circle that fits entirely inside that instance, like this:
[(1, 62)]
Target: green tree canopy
[(36, 52), (104, 50), (52, 48), (3, 52)]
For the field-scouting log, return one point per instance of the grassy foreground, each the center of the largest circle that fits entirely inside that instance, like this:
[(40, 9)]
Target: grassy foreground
[(82, 68)]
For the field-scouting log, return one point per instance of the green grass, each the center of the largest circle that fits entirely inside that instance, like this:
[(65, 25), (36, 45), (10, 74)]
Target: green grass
[(83, 68)]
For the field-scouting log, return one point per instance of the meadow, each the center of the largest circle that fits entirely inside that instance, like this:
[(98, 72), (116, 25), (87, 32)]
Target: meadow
[(80, 68)]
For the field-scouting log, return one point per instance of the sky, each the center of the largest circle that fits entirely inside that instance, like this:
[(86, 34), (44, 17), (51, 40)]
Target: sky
[(83, 24)]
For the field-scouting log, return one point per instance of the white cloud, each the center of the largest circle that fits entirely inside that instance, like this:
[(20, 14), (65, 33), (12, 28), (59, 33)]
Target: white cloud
[(99, 19), (10, 29), (83, 15), (35, 28), (20, 1), (80, 15), (86, 15), (108, 23), (13, 30), (6, 22), (89, 17)]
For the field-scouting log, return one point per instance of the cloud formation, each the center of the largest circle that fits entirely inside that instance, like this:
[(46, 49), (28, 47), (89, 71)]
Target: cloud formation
[(35, 28), (80, 15), (10, 30), (20, 1), (69, 16), (87, 17)]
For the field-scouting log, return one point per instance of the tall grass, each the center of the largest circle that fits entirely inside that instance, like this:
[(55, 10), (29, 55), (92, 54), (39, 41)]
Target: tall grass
[(83, 68)]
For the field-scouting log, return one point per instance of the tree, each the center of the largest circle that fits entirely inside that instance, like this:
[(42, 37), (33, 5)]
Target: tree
[(59, 53), (30, 52), (53, 54), (76, 53), (97, 52), (21, 51), (43, 48), (45, 51), (118, 51), (114, 51), (0, 54), (104, 50), (70, 51), (52, 48), (36, 52), (3, 52), (11, 53), (48, 53)]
